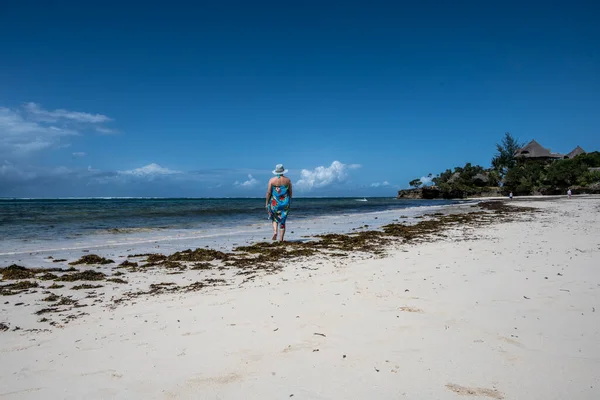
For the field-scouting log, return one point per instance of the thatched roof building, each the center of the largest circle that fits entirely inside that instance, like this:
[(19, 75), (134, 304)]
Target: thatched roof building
[(575, 152), (534, 150)]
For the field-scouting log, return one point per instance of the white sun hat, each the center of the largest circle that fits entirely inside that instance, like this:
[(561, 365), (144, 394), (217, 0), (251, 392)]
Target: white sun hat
[(280, 170)]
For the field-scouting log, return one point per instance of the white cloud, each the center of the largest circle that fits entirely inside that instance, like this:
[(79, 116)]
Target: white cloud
[(30, 128), (10, 173), (426, 180), (79, 154), (249, 183), (19, 135), (380, 184), (322, 176), (149, 170), (106, 131), (38, 113)]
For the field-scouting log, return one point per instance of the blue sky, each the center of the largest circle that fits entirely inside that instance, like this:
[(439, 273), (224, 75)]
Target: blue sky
[(355, 98)]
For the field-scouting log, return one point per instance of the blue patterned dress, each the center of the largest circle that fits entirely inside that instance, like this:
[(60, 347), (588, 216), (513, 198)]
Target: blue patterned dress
[(279, 205)]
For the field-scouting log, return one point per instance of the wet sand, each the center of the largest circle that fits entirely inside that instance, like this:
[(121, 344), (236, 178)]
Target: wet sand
[(505, 309)]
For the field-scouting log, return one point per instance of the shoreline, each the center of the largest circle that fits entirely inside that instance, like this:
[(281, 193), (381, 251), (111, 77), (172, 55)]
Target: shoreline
[(141, 274), (224, 239), (491, 306)]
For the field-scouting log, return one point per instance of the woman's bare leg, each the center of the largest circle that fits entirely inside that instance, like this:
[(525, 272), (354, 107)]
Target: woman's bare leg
[(274, 231), (282, 233)]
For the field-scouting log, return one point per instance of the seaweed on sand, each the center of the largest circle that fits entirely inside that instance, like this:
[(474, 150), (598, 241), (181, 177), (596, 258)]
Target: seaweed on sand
[(66, 301), (264, 254), (366, 241), (15, 272), (269, 256), (174, 261), (169, 287), (116, 280), (172, 265), (499, 207), (47, 277), (92, 259), (16, 288), (128, 264), (18, 272), (47, 310), (55, 286), (51, 298), (201, 265), (139, 255), (198, 255), (83, 276), (86, 286), (155, 258)]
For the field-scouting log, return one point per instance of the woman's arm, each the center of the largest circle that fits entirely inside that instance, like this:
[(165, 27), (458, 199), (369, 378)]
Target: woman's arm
[(290, 190), (269, 191)]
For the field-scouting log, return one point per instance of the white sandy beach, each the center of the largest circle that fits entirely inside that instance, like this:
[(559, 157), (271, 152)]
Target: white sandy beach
[(506, 311)]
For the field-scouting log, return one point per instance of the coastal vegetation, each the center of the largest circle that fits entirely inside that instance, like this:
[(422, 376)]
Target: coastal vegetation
[(518, 168)]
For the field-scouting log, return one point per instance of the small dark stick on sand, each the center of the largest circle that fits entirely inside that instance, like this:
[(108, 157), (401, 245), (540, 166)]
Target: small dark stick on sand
[(320, 334)]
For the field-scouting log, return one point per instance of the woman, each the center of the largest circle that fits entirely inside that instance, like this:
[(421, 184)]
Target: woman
[(279, 196)]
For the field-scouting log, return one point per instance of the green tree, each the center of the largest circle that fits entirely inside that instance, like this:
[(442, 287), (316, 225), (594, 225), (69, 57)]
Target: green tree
[(416, 183), (443, 177), (504, 159), (589, 178), (526, 178)]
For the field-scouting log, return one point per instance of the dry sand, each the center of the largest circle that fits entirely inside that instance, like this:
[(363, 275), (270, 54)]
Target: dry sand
[(506, 311)]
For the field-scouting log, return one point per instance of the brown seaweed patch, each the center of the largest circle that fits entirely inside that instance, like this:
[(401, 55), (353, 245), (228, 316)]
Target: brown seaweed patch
[(213, 282), (264, 254), (172, 264), (198, 255), (128, 264), (3, 327), (201, 265), (83, 276), (47, 310), (366, 241), (52, 298), (47, 277), (503, 207), (59, 260), (139, 255), (86, 286), (169, 287), (16, 288), (15, 272), (116, 280), (155, 258), (66, 301), (92, 259), (55, 286)]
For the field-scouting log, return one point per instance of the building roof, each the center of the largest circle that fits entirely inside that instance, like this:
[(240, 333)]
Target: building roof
[(535, 150), (575, 152)]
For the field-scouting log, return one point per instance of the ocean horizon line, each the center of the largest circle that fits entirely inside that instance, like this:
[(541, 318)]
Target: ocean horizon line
[(187, 198)]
